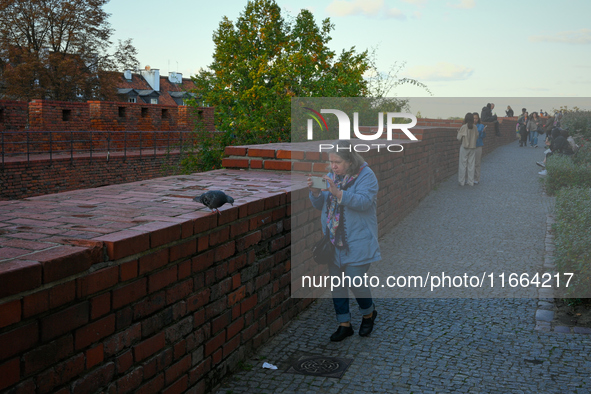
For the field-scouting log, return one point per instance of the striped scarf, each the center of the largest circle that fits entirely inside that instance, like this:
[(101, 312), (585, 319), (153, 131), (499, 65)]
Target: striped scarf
[(335, 212)]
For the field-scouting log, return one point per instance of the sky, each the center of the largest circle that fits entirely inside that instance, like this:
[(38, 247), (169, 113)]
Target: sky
[(458, 48)]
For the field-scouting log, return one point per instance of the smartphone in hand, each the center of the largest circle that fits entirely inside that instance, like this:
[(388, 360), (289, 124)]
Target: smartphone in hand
[(319, 182)]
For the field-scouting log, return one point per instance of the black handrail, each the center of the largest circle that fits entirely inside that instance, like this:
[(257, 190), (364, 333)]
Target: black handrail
[(14, 143)]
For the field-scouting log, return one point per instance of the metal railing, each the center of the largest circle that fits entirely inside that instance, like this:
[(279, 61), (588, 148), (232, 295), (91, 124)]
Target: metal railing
[(95, 145)]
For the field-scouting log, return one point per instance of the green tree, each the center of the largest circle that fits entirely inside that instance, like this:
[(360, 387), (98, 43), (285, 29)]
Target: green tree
[(261, 61)]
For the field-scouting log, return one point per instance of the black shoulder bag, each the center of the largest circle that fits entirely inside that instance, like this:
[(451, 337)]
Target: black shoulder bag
[(323, 251)]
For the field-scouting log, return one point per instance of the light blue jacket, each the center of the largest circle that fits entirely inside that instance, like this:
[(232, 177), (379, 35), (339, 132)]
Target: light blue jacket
[(361, 222), (481, 135)]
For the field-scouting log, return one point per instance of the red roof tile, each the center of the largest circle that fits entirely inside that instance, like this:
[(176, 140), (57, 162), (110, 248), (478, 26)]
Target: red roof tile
[(139, 83)]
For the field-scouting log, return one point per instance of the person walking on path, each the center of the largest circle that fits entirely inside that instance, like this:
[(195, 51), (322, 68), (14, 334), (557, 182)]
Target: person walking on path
[(522, 126), (467, 135), (479, 144), (349, 215), (532, 129)]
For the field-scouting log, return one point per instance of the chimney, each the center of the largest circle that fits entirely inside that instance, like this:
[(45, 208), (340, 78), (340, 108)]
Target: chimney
[(152, 76), (175, 77)]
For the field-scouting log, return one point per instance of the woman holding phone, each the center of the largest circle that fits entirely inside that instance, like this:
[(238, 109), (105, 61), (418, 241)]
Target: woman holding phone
[(349, 215)]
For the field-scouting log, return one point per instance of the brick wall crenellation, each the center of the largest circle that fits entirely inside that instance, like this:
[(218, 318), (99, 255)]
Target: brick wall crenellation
[(45, 115)]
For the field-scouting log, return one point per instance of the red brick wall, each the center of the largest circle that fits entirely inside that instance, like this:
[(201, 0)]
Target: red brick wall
[(53, 115), (203, 115), (13, 115), (22, 179), (101, 116), (160, 307)]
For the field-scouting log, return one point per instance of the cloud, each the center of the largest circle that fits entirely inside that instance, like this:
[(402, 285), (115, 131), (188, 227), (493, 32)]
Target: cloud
[(371, 8), (442, 71), (417, 2), (463, 4), (581, 36), (396, 14), (355, 7), (417, 15)]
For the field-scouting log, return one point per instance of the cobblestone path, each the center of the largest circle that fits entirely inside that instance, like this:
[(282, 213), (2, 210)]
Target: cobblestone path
[(444, 345)]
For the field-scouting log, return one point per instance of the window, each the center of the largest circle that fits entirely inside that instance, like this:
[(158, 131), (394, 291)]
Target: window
[(132, 100), (144, 112), (200, 115), (1, 115), (66, 115), (165, 114), (122, 112), (154, 101)]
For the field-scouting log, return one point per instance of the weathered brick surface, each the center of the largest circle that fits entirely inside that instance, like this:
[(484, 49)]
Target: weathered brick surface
[(64, 321), (19, 275)]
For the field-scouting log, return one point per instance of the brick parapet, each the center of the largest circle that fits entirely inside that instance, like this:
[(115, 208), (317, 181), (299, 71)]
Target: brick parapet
[(13, 115), (41, 175), (108, 282)]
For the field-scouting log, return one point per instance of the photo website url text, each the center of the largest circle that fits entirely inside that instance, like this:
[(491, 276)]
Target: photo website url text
[(436, 281)]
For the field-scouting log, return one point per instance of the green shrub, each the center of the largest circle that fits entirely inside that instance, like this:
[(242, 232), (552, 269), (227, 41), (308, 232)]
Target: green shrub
[(572, 237), (578, 123), (564, 171), (583, 155)]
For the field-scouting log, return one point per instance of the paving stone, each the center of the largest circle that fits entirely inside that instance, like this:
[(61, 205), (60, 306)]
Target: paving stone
[(544, 315)]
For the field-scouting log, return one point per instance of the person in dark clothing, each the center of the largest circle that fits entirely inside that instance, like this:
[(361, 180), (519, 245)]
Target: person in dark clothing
[(487, 116), (557, 142), (509, 111), (561, 145), (522, 124)]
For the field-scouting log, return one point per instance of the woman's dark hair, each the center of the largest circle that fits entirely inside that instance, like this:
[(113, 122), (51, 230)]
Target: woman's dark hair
[(469, 119), (476, 114), (344, 149)]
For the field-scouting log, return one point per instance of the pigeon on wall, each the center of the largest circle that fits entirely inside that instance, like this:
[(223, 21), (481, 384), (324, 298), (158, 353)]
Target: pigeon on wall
[(214, 199)]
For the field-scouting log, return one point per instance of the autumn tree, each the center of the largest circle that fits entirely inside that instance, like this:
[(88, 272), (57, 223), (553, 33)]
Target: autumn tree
[(56, 49), (125, 55), (262, 60)]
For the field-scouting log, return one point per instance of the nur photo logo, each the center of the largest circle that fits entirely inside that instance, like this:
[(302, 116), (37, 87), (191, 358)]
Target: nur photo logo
[(345, 129)]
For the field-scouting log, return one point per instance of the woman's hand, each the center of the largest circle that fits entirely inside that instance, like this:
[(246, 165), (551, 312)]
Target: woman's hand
[(315, 191), (332, 188)]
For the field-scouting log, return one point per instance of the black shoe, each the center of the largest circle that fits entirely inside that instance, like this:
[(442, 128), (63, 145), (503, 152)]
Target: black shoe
[(367, 324), (341, 333)]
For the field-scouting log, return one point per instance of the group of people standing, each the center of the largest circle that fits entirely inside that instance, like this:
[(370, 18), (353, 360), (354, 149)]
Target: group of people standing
[(531, 126), (471, 135)]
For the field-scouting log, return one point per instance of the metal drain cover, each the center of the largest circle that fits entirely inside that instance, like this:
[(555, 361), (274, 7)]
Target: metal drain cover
[(330, 367)]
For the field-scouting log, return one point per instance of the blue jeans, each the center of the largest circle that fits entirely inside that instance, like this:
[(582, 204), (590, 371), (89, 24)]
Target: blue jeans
[(340, 295), (533, 138)]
